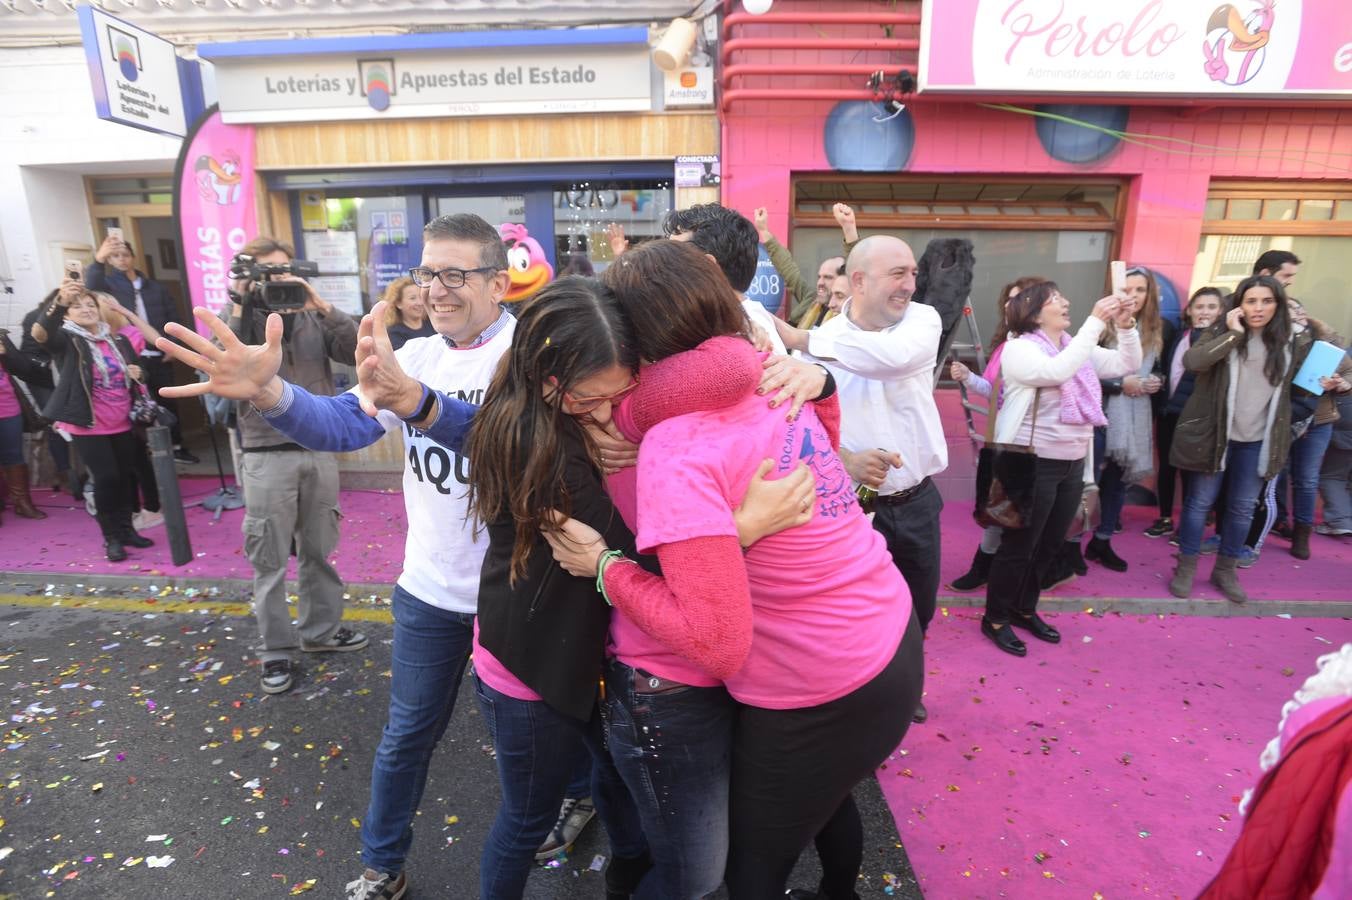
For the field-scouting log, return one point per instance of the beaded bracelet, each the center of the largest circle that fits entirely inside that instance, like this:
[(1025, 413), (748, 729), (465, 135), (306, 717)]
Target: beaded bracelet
[(605, 560)]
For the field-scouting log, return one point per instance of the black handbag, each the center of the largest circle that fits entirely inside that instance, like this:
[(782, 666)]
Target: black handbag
[(1005, 474)]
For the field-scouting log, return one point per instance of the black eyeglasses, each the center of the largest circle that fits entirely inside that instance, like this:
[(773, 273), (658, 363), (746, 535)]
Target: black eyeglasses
[(451, 277)]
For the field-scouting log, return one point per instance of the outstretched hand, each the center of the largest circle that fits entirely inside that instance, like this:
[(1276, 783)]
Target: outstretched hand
[(381, 381), (235, 370)]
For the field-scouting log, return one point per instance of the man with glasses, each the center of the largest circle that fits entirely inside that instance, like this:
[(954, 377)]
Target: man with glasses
[(463, 278)]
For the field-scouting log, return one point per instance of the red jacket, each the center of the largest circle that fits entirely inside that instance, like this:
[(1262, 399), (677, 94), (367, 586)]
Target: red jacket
[(1289, 835)]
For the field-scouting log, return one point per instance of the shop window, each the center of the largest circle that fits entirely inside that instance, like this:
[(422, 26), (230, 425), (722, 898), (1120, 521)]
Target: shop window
[(1312, 220), (1060, 230), (361, 243), (583, 211)]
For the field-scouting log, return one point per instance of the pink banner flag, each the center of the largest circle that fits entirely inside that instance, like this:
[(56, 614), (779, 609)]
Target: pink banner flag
[(214, 206)]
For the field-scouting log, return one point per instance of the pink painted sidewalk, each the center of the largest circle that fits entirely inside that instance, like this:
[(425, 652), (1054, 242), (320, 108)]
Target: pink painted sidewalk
[(1118, 756)]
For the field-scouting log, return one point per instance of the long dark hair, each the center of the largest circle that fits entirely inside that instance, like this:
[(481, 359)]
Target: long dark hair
[(1276, 333), (568, 332), (1016, 287), (676, 297)]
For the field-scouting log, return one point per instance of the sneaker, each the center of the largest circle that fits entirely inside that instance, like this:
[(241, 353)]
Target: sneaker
[(276, 676), (342, 640), (1332, 530), (88, 495), (1247, 557), (1173, 539), (1212, 545), (183, 456), (1160, 528), (373, 885), (146, 519), (573, 817)]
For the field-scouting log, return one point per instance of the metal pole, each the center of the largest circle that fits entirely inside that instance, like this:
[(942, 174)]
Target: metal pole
[(171, 499)]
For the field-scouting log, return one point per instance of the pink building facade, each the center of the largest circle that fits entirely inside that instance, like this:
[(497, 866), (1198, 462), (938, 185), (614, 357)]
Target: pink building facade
[(1192, 188)]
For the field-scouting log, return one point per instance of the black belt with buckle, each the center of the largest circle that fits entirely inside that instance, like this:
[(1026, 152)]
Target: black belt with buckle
[(901, 497)]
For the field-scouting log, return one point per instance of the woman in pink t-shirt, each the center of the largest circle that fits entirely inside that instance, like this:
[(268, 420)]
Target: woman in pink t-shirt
[(92, 403), (811, 630)]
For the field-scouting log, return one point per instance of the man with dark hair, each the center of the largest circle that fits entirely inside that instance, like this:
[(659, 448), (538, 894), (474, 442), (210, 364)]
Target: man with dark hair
[(729, 238), (114, 272), (1280, 264), (291, 493)]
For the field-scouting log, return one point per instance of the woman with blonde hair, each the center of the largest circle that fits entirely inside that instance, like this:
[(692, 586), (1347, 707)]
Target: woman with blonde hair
[(1127, 448), (405, 315)]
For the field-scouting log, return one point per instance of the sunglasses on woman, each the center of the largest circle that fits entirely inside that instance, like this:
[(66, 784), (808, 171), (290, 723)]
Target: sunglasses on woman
[(581, 405)]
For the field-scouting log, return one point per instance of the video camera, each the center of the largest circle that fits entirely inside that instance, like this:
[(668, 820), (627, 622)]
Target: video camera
[(264, 291)]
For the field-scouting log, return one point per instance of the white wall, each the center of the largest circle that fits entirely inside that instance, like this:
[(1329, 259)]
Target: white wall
[(49, 139)]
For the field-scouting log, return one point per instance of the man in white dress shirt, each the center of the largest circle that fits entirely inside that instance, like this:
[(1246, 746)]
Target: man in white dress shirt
[(882, 351)]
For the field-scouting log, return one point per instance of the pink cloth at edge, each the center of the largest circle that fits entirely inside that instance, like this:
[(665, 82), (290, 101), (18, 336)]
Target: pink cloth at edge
[(135, 338), (9, 401), (829, 606), (111, 398), (495, 674)]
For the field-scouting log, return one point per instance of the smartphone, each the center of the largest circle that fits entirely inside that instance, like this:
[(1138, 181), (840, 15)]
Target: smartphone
[(1118, 272), (74, 271), (115, 232)]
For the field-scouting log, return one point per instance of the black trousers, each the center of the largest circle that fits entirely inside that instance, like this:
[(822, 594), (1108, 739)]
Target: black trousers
[(160, 374), (793, 771), (1026, 554), (112, 462), (911, 530), (1167, 474)]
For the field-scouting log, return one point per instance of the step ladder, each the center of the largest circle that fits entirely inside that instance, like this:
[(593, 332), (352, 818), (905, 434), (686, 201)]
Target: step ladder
[(956, 349)]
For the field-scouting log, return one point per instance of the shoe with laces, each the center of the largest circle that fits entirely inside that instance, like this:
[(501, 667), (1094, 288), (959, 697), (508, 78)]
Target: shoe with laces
[(341, 641), (573, 817), (1160, 528), (1247, 557), (277, 676), (373, 885), (1332, 530)]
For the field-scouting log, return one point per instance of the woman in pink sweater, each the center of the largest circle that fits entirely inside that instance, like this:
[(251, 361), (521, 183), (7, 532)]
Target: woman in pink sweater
[(810, 630)]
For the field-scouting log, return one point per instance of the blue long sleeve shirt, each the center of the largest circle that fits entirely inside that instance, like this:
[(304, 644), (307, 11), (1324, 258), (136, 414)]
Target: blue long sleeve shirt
[(338, 425)]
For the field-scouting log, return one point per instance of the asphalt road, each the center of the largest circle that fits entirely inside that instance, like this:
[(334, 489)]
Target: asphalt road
[(140, 759)]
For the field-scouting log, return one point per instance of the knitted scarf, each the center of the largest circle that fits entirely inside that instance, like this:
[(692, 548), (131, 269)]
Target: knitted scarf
[(1130, 422), (1081, 396)]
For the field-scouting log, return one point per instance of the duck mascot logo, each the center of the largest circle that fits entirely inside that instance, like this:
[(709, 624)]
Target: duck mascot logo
[(218, 180), (527, 266), (1236, 45)]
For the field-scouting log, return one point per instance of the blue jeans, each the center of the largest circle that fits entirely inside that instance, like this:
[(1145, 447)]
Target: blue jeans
[(1307, 455), (1335, 483), (1241, 494), (431, 647), (11, 441), (672, 746), (1112, 499), (538, 752)]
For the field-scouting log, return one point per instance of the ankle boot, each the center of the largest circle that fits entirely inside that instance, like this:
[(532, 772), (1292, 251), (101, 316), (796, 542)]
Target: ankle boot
[(128, 534), (1300, 541), (977, 575), (1226, 577), (19, 497), (112, 537), (1184, 573), (1100, 550), (1074, 557)]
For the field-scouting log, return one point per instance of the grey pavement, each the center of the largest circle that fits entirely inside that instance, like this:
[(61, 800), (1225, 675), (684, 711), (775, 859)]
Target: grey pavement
[(140, 759)]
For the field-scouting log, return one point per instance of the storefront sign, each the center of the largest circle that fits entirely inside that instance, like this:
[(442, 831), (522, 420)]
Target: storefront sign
[(459, 74), (137, 76), (693, 87), (1197, 48), (214, 206)]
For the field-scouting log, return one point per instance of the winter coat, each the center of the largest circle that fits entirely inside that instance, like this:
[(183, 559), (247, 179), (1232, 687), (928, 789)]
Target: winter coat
[(1203, 433)]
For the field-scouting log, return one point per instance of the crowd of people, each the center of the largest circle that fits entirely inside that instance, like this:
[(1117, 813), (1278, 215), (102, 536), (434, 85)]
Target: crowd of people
[(618, 482)]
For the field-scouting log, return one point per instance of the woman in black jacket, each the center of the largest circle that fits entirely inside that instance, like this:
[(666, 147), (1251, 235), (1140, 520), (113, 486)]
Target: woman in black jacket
[(15, 412), (1202, 311), (92, 403)]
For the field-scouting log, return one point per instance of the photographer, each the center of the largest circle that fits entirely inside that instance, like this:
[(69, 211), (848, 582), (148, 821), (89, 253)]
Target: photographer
[(290, 492), (114, 272)]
